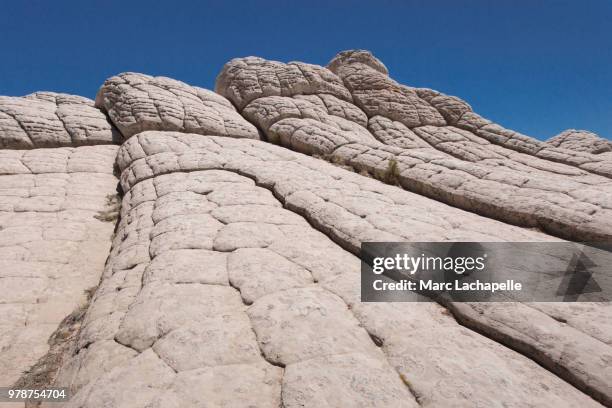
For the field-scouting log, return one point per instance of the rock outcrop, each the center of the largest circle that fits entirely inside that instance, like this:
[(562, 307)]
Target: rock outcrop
[(207, 224), (58, 193), (581, 141), (425, 141), (56, 220), (48, 119), (137, 102), (234, 266)]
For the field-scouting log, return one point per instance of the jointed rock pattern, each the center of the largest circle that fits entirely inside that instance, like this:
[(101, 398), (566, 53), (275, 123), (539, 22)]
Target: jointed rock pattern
[(137, 102), (582, 141), (52, 246), (233, 276), (48, 119), (203, 221), (425, 141)]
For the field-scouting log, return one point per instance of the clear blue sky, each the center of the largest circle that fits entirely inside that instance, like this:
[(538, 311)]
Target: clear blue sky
[(535, 66)]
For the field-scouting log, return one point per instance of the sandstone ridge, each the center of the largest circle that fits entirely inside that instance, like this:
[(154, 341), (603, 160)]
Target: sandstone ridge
[(179, 239)]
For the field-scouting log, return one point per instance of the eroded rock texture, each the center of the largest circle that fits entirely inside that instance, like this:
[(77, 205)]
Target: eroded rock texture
[(581, 141), (223, 267), (48, 119), (427, 142), (233, 278), (54, 240), (137, 102)]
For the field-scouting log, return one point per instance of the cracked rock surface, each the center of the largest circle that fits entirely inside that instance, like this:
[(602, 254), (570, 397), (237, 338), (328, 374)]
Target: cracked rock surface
[(354, 114), (138, 102), (582, 141), (48, 119), (52, 246), (233, 277), (191, 292)]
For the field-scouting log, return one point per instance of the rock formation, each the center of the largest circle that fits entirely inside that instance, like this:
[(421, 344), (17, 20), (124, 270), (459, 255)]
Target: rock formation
[(136, 102), (48, 119), (56, 219), (581, 141), (424, 141), (233, 266)]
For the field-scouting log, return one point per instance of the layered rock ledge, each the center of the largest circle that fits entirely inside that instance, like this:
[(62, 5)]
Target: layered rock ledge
[(582, 141), (236, 230), (48, 119), (192, 291), (354, 114), (137, 102)]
